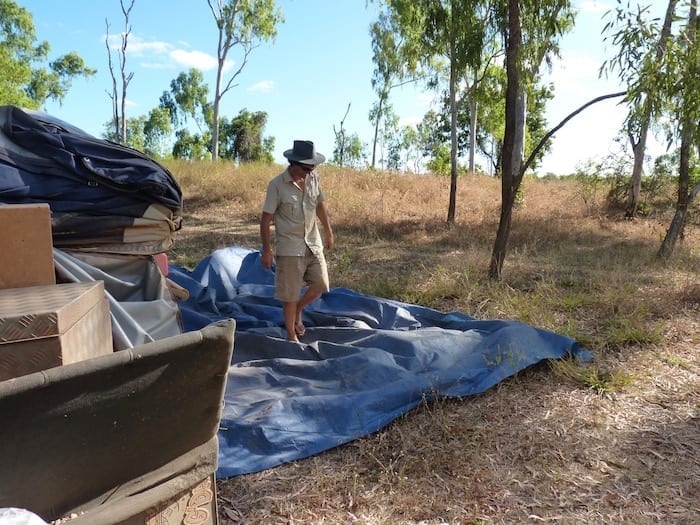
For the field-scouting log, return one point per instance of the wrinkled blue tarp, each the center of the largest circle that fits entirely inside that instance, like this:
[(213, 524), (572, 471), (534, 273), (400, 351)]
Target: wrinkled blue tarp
[(363, 362)]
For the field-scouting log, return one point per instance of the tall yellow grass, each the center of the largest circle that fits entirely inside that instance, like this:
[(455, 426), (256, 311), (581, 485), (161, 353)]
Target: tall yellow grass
[(569, 267)]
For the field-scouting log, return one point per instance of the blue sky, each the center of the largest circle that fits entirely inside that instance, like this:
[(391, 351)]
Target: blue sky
[(320, 62)]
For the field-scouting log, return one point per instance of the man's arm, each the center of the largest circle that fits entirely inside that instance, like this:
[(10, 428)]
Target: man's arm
[(267, 256), (322, 215)]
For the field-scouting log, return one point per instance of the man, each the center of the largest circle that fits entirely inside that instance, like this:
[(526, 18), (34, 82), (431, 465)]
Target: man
[(295, 201)]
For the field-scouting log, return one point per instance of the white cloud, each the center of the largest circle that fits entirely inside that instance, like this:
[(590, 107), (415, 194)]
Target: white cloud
[(157, 54), (264, 86), (198, 59), (139, 47), (136, 46)]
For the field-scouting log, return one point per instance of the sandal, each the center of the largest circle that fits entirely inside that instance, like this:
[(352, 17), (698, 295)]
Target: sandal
[(299, 329)]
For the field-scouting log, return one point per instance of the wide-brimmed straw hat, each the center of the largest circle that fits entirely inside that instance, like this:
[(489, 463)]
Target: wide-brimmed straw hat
[(304, 152)]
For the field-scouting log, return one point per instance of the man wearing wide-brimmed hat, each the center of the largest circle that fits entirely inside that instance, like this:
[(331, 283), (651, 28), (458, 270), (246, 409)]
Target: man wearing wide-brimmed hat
[(295, 202)]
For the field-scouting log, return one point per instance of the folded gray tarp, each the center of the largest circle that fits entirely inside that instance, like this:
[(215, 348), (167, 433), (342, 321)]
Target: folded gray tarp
[(141, 306)]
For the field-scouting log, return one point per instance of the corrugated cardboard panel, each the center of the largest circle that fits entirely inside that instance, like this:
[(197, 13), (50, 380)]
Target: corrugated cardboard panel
[(26, 248), (46, 326)]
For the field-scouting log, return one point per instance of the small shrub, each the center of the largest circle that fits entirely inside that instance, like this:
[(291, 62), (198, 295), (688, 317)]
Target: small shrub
[(591, 376)]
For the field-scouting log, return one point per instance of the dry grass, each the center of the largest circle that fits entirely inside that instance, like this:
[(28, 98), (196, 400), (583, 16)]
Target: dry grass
[(616, 441)]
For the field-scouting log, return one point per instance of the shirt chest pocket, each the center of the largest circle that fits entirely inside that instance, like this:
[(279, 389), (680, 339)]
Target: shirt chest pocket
[(290, 207)]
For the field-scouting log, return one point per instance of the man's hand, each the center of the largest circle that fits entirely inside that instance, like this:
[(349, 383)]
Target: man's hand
[(267, 259), (330, 240)]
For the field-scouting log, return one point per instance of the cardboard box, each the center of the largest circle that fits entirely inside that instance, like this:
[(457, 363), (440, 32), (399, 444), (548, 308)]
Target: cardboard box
[(26, 248), (47, 326)]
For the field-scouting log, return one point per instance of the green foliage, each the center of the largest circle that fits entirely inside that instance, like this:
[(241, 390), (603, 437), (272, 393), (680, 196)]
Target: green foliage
[(27, 80), (157, 129), (168, 128), (628, 330), (591, 376), (187, 99), (243, 24), (135, 137), (591, 181), (189, 146), (389, 65), (348, 150), (242, 138), (440, 162)]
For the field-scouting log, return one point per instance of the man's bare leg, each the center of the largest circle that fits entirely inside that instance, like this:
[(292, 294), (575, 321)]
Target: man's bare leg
[(289, 310), (309, 296)]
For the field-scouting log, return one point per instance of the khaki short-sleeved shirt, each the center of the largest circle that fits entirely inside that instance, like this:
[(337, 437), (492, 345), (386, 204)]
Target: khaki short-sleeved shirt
[(294, 214)]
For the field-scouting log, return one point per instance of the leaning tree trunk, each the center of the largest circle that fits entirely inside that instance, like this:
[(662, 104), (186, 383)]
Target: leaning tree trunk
[(639, 148), (511, 149), (688, 130), (675, 230)]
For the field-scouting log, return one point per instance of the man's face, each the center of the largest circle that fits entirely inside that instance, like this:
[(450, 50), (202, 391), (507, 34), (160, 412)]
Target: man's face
[(301, 170)]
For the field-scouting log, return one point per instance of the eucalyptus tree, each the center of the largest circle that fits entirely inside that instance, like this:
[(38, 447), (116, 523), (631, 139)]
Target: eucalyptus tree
[(411, 149), (353, 152), (187, 103), (28, 78), (641, 46), (242, 139), (387, 65), (437, 34), (393, 60), (480, 73), (531, 30), (119, 101), (157, 129), (243, 24), (683, 82), (661, 69)]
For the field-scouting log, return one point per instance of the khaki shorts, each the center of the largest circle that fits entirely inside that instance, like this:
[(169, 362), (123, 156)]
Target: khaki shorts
[(292, 273)]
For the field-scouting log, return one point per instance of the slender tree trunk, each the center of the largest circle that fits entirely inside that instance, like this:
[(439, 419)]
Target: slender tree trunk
[(380, 108), (688, 131), (452, 209), (473, 108), (114, 96), (473, 119), (340, 139), (215, 129), (675, 229), (216, 108), (639, 149), (519, 141), (510, 167), (126, 77)]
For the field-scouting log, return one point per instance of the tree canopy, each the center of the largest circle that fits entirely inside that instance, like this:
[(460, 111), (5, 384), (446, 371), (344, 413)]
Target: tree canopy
[(28, 77)]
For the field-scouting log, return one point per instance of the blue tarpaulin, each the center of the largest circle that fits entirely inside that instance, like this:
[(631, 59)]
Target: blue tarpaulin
[(363, 362)]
